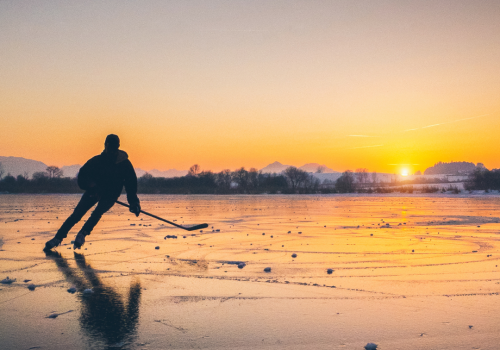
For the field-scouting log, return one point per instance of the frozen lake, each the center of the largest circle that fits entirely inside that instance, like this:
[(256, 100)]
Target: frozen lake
[(408, 272)]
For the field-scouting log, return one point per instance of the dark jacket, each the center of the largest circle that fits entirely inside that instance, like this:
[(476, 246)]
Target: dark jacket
[(109, 174)]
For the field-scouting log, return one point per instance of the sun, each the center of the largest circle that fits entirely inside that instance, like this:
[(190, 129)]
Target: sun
[(404, 172)]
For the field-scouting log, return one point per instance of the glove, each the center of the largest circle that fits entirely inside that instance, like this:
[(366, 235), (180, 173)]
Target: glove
[(135, 208)]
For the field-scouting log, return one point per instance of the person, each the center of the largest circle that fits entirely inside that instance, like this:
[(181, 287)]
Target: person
[(102, 178)]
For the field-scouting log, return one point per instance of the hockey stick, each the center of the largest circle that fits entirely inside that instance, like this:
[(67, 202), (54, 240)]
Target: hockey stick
[(192, 228)]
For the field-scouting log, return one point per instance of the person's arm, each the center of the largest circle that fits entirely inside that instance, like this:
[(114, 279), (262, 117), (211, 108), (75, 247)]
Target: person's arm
[(86, 177)]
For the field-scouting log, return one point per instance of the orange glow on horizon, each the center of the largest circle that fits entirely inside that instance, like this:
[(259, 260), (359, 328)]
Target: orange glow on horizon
[(226, 85)]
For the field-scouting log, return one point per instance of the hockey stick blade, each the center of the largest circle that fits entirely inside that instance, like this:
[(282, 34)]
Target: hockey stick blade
[(197, 227)]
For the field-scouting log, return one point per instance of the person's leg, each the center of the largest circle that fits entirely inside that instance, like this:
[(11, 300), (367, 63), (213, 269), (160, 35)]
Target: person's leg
[(103, 206), (86, 202)]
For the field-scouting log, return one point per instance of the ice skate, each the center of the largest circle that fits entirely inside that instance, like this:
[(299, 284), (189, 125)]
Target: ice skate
[(54, 242), (79, 240)]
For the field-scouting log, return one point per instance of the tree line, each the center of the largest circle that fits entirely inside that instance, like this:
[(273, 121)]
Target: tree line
[(452, 168), (483, 179), (240, 181), (38, 184)]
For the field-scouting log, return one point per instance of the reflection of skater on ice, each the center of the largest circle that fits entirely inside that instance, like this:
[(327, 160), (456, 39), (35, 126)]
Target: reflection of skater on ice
[(102, 178), (104, 315)]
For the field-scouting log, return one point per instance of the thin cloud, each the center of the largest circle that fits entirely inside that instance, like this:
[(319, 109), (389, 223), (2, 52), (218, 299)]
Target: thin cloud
[(404, 164), (366, 146), (361, 136), (453, 121)]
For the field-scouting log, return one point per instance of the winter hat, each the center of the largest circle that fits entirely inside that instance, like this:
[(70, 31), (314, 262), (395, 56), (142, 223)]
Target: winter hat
[(112, 141)]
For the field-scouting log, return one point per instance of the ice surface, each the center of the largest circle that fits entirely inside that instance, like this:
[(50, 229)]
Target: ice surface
[(419, 282)]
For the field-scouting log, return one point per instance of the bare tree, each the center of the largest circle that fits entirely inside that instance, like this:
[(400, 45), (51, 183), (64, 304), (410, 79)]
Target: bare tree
[(374, 177), (362, 175), (208, 178), (295, 176), (253, 177), (365, 176), (346, 183), (194, 170), (54, 171), (311, 183), (242, 178), (321, 169), (224, 179), (146, 177), (328, 183), (39, 175), (2, 171)]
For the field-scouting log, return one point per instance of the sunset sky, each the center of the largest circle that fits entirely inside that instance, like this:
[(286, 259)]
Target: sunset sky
[(225, 84)]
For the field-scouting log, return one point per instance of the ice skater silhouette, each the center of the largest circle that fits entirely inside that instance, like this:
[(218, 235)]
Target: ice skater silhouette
[(102, 178)]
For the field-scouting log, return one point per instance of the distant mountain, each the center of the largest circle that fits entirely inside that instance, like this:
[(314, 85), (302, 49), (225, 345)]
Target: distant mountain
[(158, 173), (275, 167), (27, 167), (332, 177), (21, 166), (452, 168), (313, 167), (70, 170), (168, 173)]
